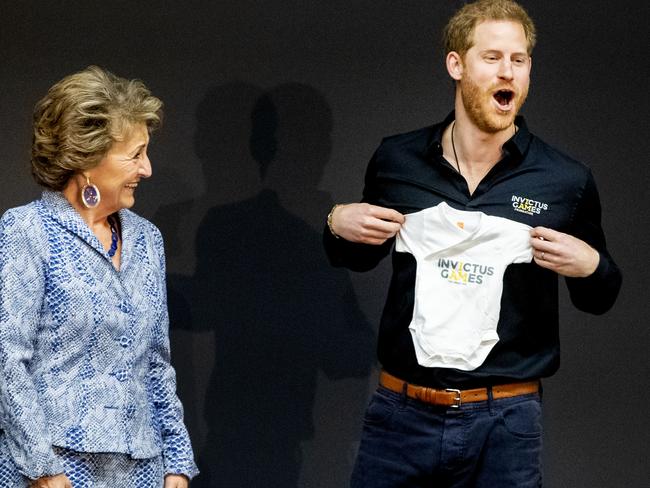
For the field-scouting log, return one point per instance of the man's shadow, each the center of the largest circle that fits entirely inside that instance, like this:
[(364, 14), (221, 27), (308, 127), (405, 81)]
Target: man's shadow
[(279, 313)]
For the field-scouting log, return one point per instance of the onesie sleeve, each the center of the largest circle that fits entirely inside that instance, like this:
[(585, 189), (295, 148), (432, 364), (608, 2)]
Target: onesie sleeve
[(513, 241), (522, 250), (22, 284), (596, 293), (411, 238)]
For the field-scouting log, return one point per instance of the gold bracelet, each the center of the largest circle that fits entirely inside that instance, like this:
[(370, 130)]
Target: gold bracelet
[(329, 221)]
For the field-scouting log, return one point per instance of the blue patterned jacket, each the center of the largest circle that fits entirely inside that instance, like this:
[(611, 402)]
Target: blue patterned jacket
[(84, 348)]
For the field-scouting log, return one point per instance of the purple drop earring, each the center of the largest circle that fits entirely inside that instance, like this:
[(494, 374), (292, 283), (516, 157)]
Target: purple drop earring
[(90, 195)]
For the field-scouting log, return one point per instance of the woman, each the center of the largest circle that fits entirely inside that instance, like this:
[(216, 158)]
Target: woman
[(87, 393)]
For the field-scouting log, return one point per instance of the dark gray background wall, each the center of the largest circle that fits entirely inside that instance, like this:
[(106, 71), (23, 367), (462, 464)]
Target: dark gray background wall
[(272, 111)]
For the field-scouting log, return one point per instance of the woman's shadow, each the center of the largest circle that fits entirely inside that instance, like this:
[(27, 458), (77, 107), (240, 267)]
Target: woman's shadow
[(279, 313)]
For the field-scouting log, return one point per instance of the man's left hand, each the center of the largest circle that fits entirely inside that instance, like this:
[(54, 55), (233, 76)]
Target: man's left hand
[(562, 253), (176, 481)]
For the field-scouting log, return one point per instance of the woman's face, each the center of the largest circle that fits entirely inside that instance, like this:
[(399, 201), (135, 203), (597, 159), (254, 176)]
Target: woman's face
[(121, 169)]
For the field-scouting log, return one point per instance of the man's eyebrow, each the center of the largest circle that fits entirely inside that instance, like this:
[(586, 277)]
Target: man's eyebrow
[(500, 52)]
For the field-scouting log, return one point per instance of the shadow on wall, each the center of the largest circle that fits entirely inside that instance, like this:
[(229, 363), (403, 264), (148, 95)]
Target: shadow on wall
[(279, 313)]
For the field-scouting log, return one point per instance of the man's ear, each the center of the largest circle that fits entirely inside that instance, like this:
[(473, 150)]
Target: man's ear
[(454, 63)]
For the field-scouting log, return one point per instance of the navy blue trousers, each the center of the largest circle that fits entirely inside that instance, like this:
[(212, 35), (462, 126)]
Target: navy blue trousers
[(492, 444)]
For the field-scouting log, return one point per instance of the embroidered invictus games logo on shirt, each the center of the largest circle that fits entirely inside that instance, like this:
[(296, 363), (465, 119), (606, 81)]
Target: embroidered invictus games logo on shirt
[(463, 273), (528, 206)]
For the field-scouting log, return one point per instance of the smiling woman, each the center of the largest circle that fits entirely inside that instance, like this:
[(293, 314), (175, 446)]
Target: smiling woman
[(116, 176), (87, 392)]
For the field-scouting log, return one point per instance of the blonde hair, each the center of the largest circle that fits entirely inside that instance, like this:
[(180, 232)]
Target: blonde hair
[(459, 33), (80, 117)]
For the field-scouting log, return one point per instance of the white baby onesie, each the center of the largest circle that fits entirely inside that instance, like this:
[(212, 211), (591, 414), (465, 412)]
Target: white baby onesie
[(461, 258)]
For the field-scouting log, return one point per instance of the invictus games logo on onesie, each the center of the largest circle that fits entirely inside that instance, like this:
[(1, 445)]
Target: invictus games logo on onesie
[(464, 273), (527, 205)]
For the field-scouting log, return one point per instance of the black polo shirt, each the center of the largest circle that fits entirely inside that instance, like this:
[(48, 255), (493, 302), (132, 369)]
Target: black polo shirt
[(534, 184)]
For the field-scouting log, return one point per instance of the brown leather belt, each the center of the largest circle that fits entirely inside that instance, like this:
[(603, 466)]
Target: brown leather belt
[(455, 398)]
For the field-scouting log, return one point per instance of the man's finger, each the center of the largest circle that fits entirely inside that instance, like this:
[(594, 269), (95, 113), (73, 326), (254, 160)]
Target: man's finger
[(389, 228), (545, 233), (387, 214), (542, 245)]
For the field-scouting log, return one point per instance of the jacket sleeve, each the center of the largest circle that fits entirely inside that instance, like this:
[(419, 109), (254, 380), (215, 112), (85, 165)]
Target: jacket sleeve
[(596, 293), (177, 453), (22, 282), (351, 255)]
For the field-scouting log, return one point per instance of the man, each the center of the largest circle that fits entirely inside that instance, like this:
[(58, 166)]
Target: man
[(470, 325)]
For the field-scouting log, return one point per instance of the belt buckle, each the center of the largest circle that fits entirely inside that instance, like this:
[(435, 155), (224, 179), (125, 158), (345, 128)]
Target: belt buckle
[(457, 401)]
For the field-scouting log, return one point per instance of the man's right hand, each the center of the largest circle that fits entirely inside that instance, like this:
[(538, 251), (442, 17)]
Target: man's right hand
[(58, 481), (366, 224)]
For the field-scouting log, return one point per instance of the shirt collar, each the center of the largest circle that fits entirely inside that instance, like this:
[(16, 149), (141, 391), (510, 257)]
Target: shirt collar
[(515, 147)]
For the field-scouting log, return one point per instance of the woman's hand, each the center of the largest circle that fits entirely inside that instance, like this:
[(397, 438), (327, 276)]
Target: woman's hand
[(176, 481), (58, 481)]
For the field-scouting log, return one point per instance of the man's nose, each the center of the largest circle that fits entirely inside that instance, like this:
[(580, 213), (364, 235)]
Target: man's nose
[(505, 69)]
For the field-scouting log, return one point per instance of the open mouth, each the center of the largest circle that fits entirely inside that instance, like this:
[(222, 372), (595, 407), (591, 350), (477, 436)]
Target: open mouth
[(504, 98), (131, 186)]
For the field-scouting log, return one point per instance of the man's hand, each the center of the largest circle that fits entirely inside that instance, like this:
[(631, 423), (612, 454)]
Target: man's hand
[(58, 481), (176, 481), (366, 224), (562, 253)]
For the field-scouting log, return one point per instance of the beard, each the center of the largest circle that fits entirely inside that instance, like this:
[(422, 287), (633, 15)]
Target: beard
[(480, 109)]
